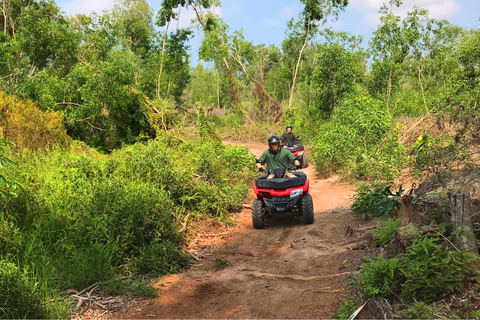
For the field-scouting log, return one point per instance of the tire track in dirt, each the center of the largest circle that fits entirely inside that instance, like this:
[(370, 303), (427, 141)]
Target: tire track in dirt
[(286, 271)]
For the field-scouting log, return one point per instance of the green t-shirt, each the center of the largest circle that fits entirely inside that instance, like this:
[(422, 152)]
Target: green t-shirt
[(276, 160)]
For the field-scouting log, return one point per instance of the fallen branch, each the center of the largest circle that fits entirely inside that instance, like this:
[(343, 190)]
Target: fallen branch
[(328, 291), (215, 235), (194, 256), (294, 276), (88, 288)]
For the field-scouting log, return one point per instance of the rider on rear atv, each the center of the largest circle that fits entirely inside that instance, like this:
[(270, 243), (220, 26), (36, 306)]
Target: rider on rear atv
[(289, 139), (276, 157)]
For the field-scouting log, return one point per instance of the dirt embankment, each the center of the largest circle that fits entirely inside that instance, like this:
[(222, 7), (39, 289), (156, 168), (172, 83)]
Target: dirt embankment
[(287, 270)]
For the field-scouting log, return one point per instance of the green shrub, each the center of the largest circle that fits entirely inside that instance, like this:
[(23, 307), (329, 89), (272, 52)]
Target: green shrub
[(438, 154), (430, 269), (384, 234), (425, 272), (376, 200), (92, 218), (10, 237), (420, 310), (159, 258), (19, 294), (229, 121), (381, 277), (345, 311), (359, 140)]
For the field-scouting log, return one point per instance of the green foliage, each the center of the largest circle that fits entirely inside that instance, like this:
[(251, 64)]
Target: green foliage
[(336, 73), (384, 234), (89, 218), (433, 155), (430, 269), (359, 140), (375, 201), (420, 310), (380, 278), (19, 294), (345, 311), (7, 188), (206, 132)]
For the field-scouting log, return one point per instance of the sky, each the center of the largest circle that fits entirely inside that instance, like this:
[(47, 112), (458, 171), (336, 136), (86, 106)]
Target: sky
[(265, 21)]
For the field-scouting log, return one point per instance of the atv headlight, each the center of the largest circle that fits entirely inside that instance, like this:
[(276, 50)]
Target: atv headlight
[(296, 193), (300, 153)]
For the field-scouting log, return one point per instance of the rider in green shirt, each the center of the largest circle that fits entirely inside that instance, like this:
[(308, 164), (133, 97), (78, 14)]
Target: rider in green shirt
[(276, 157)]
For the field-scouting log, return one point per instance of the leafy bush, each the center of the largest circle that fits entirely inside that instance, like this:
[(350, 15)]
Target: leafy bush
[(384, 234), (420, 310), (358, 140), (438, 155), (159, 258), (29, 127), (430, 269), (426, 271), (19, 294), (381, 278), (345, 311), (374, 201)]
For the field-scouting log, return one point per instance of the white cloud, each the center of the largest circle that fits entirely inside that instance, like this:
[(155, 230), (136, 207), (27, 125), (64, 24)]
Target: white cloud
[(86, 6), (437, 9)]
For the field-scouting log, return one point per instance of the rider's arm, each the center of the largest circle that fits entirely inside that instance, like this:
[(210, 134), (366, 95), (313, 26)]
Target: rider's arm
[(261, 161), (282, 140), (296, 138)]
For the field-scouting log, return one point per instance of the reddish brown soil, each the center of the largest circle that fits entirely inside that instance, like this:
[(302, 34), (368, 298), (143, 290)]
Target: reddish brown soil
[(287, 270)]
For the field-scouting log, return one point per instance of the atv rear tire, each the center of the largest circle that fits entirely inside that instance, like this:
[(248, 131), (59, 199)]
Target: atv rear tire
[(305, 161), (257, 216), (307, 209)]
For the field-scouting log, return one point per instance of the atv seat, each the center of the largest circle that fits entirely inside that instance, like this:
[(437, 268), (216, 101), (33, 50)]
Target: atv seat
[(296, 148), (281, 183)]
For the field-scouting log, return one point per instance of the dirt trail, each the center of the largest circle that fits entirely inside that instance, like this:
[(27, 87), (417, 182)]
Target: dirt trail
[(287, 270)]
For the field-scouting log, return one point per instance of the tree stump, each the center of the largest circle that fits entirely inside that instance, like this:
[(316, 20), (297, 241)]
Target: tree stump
[(461, 219)]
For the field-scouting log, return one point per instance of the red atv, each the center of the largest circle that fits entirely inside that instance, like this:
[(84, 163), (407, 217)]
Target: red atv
[(281, 194), (299, 150)]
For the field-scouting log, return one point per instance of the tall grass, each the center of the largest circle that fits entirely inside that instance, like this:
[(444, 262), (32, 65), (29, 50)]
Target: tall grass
[(86, 217)]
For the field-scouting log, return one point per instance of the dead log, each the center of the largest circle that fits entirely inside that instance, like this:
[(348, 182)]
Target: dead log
[(461, 218)]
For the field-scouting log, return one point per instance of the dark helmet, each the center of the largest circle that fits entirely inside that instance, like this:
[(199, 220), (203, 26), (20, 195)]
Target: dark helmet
[(289, 126), (273, 140)]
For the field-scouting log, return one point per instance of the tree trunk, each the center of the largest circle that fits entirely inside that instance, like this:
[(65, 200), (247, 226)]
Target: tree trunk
[(5, 20), (421, 87), (233, 88), (159, 80), (298, 64), (461, 221), (389, 90), (218, 91), (335, 97)]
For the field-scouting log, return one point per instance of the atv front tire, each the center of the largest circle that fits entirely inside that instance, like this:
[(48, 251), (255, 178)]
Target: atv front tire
[(307, 209), (305, 161), (257, 216)]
